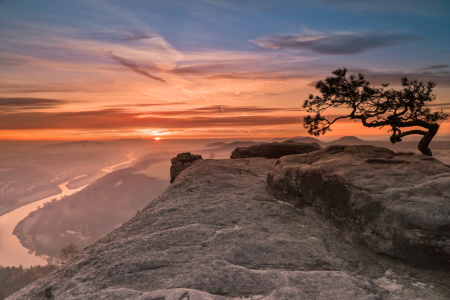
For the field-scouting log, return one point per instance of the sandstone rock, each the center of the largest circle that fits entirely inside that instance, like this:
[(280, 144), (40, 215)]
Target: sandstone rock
[(274, 150), (395, 204), (217, 234), (181, 162)]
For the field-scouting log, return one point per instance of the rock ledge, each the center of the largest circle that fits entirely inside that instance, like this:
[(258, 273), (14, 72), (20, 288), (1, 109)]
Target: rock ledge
[(395, 204)]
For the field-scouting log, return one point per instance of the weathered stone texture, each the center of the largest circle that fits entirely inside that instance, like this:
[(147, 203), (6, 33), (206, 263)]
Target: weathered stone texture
[(274, 150), (395, 204), (217, 234), (181, 162)]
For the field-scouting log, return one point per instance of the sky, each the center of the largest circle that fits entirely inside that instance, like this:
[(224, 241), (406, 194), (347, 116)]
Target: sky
[(106, 69)]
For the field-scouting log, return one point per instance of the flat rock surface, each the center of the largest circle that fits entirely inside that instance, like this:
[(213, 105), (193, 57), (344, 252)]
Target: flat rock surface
[(396, 204), (217, 234)]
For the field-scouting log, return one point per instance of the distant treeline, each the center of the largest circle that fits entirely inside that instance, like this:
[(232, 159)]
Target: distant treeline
[(13, 279)]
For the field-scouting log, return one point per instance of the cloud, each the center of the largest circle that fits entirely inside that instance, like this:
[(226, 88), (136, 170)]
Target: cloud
[(441, 78), (12, 61), (29, 103), (217, 109), (130, 36), (146, 104), (51, 88), (416, 7), (200, 69), (444, 105), (435, 67), (118, 119), (235, 70), (228, 70), (116, 35), (347, 43), (268, 75), (133, 66)]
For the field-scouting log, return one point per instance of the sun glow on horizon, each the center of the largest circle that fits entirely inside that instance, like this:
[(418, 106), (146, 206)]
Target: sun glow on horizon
[(73, 76)]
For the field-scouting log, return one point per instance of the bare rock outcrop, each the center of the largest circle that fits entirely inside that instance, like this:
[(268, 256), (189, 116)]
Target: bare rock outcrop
[(396, 204), (216, 234), (181, 162), (274, 150)]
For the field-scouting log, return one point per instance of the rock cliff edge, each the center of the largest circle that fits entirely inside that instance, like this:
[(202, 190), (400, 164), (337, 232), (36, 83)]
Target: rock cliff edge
[(216, 233)]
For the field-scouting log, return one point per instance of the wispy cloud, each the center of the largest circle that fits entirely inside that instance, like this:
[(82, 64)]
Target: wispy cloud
[(116, 118), (268, 75), (440, 77), (29, 103), (435, 67), (146, 104), (346, 43), (118, 35), (133, 66), (42, 88), (219, 70), (442, 105), (217, 109)]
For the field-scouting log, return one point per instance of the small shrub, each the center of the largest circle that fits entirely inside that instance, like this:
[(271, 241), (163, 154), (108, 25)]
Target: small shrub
[(69, 252)]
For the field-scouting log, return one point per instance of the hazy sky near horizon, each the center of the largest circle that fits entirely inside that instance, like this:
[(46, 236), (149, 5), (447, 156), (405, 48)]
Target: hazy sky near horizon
[(91, 69)]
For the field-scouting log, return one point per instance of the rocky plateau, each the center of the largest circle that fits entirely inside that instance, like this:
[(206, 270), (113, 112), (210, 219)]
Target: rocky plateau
[(217, 233)]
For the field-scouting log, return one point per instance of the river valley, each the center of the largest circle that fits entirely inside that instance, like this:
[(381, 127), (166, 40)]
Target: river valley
[(12, 253)]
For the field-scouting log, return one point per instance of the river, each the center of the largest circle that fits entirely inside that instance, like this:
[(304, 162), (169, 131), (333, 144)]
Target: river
[(12, 253)]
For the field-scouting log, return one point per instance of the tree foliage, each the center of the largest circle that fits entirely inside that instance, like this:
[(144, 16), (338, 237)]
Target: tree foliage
[(69, 252), (376, 107), (13, 279)]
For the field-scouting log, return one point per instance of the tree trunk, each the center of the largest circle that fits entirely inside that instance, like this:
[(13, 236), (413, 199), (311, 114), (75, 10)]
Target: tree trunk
[(426, 140)]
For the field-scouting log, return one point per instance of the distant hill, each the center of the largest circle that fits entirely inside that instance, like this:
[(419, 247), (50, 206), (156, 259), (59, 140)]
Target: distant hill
[(224, 151), (230, 146), (278, 140), (306, 140), (84, 217), (233, 145), (215, 145), (24, 175), (18, 182), (348, 140)]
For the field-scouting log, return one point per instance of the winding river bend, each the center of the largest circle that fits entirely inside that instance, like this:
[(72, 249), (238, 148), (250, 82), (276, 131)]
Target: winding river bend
[(12, 253)]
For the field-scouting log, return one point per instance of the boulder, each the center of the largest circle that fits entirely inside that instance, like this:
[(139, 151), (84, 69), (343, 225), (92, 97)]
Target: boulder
[(216, 234), (274, 150), (181, 162), (395, 204)]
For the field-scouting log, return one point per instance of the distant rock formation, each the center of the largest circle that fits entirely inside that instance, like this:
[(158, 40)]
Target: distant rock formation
[(274, 150), (396, 204), (349, 140), (304, 139), (216, 234), (181, 162)]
